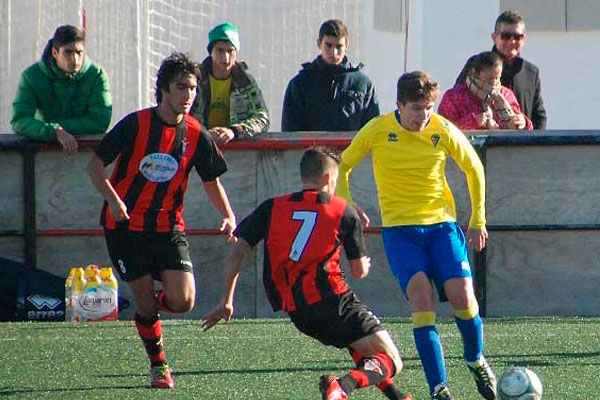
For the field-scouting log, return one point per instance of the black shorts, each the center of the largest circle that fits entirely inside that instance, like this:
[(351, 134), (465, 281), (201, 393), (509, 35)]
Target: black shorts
[(337, 321), (136, 254)]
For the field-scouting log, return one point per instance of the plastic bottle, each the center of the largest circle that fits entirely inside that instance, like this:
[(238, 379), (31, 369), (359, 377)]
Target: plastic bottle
[(77, 289), (69, 296), (110, 288), (92, 276), (87, 300), (108, 278)]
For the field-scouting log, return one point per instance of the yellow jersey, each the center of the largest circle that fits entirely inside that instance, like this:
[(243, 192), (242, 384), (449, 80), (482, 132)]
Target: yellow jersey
[(409, 169)]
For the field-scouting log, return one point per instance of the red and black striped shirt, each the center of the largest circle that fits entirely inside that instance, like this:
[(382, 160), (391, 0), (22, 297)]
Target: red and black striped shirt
[(303, 234), (152, 169)]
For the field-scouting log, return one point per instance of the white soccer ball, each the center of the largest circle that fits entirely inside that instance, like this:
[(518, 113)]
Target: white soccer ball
[(519, 383)]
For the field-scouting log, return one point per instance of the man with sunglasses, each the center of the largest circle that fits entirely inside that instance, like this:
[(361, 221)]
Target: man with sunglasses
[(518, 74)]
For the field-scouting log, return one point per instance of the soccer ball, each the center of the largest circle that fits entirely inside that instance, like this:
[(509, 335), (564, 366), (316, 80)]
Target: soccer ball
[(519, 383)]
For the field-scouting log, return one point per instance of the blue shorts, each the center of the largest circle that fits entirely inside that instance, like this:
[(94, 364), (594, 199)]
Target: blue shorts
[(438, 250)]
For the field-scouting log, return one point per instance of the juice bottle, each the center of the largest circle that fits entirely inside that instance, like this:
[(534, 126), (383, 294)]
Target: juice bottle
[(92, 276), (110, 294), (77, 290), (69, 296)]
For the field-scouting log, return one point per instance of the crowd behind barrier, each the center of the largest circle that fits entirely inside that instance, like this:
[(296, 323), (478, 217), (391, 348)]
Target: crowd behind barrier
[(542, 215)]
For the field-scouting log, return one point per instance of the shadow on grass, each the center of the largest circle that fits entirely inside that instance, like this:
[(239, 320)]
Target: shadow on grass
[(12, 392), (333, 365), (563, 355), (411, 364)]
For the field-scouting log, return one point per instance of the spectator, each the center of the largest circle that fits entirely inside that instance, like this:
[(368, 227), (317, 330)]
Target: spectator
[(329, 93), (64, 94), (480, 101), (229, 102), (521, 76)]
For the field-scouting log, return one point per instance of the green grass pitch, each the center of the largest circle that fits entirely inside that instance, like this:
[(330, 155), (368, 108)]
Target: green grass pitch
[(269, 359)]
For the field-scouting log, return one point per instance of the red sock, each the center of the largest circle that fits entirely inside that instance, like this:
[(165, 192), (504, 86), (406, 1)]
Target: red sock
[(162, 302), (356, 356), (384, 384), (390, 391), (369, 371), (150, 332)]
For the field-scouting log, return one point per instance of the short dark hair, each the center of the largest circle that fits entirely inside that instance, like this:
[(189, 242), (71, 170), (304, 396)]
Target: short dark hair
[(316, 161), (509, 17), (67, 34), (333, 27), (478, 62), (416, 86), (172, 66), (484, 60)]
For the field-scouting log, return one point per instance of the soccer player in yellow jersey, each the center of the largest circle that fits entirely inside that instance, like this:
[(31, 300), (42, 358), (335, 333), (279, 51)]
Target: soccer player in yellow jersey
[(423, 243)]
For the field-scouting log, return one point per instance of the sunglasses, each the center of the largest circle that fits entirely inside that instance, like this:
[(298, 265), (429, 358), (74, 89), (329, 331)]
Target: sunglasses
[(508, 36)]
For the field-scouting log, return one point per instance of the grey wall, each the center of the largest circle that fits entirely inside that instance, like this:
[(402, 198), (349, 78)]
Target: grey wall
[(532, 183)]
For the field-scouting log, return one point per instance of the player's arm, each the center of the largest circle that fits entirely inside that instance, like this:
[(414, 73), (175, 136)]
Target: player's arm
[(468, 161), (218, 197), (251, 230), (354, 243), (360, 267), (121, 137), (352, 156), (234, 263), (97, 174)]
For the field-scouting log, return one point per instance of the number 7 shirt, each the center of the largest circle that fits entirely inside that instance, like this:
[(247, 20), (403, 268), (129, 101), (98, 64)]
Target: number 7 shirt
[(304, 233)]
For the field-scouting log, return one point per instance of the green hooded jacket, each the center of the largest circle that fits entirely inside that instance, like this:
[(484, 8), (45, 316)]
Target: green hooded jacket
[(47, 97)]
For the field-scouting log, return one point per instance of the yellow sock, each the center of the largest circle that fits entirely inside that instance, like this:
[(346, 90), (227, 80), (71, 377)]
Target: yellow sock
[(423, 318)]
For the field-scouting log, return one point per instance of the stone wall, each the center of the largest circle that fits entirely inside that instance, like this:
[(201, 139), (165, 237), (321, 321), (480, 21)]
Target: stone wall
[(542, 209)]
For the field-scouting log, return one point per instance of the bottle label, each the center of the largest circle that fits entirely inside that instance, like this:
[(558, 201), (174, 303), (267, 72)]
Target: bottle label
[(98, 304)]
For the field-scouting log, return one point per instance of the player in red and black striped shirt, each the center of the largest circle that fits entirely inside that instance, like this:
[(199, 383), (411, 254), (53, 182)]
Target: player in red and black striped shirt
[(156, 149), (303, 235)]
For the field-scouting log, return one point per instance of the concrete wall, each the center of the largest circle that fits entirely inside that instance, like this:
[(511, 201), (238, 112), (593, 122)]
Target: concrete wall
[(531, 185)]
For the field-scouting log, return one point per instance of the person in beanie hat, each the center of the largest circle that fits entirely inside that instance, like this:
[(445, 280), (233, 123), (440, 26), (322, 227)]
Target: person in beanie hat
[(229, 102), (226, 32)]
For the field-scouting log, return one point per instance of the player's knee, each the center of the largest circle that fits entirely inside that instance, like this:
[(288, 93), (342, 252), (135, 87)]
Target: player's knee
[(421, 300), (462, 300), (398, 364), (181, 304), (386, 345), (420, 294)]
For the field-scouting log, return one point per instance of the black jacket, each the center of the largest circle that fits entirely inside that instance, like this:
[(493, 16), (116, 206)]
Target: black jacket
[(324, 97), (524, 79)]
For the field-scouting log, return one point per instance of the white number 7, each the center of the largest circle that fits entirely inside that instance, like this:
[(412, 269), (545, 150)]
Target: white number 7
[(309, 219)]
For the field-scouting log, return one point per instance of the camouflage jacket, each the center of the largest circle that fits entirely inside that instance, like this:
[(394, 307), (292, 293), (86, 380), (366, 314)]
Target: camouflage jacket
[(248, 111)]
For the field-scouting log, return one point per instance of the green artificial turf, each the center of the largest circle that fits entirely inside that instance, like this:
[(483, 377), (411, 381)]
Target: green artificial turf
[(269, 359)]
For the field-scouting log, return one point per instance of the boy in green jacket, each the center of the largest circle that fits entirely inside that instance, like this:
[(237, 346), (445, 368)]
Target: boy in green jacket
[(64, 94)]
